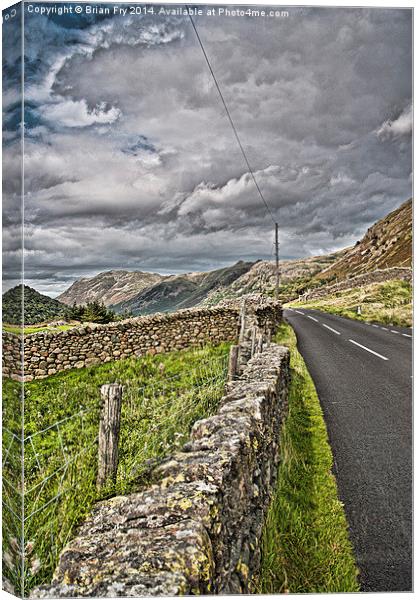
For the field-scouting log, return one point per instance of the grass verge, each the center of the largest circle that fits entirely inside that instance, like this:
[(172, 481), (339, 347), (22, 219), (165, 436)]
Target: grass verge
[(305, 545), (389, 303)]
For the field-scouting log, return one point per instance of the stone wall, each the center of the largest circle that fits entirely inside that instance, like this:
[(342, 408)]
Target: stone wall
[(197, 528), (47, 353), (379, 276), (12, 355)]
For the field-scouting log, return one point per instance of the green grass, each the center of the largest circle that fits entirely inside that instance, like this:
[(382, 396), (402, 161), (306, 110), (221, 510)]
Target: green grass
[(389, 303), (163, 396), (11, 476), (305, 545), (27, 330)]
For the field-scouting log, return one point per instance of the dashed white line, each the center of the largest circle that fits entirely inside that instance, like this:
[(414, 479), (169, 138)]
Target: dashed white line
[(299, 312), (375, 325), (331, 329), (312, 318), (406, 335), (394, 331), (368, 350), (385, 328)]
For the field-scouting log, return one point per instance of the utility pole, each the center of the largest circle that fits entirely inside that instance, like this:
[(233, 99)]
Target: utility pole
[(277, 262)]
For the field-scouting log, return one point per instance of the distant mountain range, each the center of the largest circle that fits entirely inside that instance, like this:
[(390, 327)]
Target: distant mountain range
[(111, 287), (261, 278), (387, 243), (144, 293)]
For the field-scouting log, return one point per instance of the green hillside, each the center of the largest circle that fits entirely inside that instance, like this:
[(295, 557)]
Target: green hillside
[(389, 302), (182, 291), (38, 308)]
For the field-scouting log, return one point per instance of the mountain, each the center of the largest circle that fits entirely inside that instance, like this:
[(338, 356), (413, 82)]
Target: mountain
[(38, 308), (182, 291), (387, 243), (111, 287), (261, 277)]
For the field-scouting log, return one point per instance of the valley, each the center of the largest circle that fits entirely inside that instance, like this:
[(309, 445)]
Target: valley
[(386, 245)]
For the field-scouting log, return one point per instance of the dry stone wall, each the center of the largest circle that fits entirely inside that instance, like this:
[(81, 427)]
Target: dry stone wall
[(197, 528), (12, 356), (46, 353), (379, 276)]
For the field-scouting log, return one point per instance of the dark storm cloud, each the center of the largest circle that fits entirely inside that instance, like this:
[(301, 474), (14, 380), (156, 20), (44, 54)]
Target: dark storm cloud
[(130, 161)]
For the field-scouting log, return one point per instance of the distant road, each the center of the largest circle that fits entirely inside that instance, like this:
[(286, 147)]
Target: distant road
[(363, 376)]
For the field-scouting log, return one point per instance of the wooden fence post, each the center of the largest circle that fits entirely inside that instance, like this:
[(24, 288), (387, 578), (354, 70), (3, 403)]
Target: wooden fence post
[(232, 363), (242, 321), (253, 341), (110, 420), (259, 345)]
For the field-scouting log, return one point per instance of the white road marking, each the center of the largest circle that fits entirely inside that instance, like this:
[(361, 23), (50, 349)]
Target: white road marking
[(375, 325), (299, 312), (312, 318), (368, 350), (385, 328), (394, 331), (406, 335), (331, 329)]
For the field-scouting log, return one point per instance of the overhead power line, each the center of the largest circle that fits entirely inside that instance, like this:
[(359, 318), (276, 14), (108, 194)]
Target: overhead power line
[(231, 121)]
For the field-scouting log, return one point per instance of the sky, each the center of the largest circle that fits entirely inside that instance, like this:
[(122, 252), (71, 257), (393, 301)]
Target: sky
[(130, 162)]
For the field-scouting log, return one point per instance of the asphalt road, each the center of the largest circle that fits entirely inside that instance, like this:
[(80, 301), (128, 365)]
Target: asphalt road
[(363, 376)]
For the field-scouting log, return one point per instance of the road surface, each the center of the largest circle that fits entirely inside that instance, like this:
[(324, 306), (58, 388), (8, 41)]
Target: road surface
[(363, 376)]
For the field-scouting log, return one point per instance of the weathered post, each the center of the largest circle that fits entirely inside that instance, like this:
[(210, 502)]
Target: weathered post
[(110, 420), (232, 363), (276, 262), (259, 347), (253, 341), (242, 321)]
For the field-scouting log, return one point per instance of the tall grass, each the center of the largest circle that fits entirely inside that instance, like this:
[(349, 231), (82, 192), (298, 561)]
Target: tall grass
[(163, 396), (387, 303), (305, 545), (11, 482)]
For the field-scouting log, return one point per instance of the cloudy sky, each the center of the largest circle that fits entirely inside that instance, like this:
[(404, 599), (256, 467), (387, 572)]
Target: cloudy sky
[(130, 162)]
